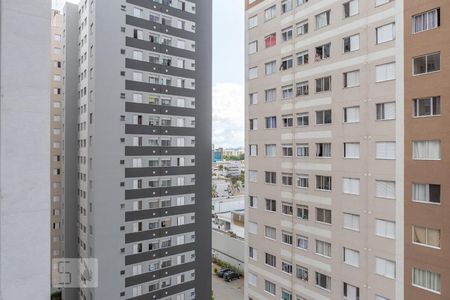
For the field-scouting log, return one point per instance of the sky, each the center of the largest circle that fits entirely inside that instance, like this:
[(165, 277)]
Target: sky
[(228, 72)]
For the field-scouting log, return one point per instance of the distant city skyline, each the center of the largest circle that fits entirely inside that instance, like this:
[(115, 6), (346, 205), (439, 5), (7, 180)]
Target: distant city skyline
[(228, 74)]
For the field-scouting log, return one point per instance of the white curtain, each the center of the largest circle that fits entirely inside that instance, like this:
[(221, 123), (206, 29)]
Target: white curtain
[(322, 20), (385, 72), (271, 150), (354, 7), (351, 221), (389, 111), (385, 150), (354, 42), (352, 78), (421, 192), (386, 33), (352, 150), (352, 114), (427, 150), (351, 186), (351, 257), (427, 279)]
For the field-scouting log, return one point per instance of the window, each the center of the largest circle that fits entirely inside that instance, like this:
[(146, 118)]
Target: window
[(270, 287), (323, 281), (351, 79), (426, 150), (287, 150), (253, 73), (385, 150), (301, 273), (252, 253), (270, 95), (270, 67), (351, 292), (323, 215), (323, 183), (323, 248), (137, 55), (385, 72), (302, 28), (323, 19), (386, 111), (253, 98), (323, 52), (286, 179), (271, 177), (253, 124), (426, 20), (252, 227), (351, 43), (287, 120), (426, 107), (302, 88), (270, 40), (253, 201), (252, 176), (138, 34), (302, 212), (271, 149), (385, 267), (137, 76), (384, 228), (385, 33), (302, 181), (428, 193), (270, 13), (286, 209), (385, 189), (137, 12), (302, 242), (351, 8), (302, 58), (287, 268), (271, 205), (271, 122), (351, 257), (287, 63), (303, 119), (427, 63), (287, 92), (427, 280), (253, 47), (302, 150), (286, 5), (253, 150), (323, 117), (351, 221), (351, 150), (427, 236), (270, 232), (351, 114), (323, 84), (252, 22), (350, 186), (271, 260), (286, 34), (323, 150), (251, 279)]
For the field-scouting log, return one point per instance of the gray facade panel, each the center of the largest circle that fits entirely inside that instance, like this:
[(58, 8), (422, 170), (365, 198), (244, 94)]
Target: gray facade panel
[(155, 88), (143, 172), (158, 130), (136, 151), (161, 232), (164, 7), (150, 25), (149, 276), (155, 109), (149, 255), (146, 45), (157, 213), (151, 67), (156, 192)]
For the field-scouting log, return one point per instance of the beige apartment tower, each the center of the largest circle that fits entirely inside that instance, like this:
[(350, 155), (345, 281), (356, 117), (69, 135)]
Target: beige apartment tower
[(324, 109)]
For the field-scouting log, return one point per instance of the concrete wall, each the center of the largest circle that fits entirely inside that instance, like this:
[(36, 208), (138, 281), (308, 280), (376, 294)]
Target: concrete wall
[(228, 249), (24, 150)]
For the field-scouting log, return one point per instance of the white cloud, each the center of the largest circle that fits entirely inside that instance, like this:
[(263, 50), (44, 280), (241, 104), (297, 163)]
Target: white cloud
[(228, 115)]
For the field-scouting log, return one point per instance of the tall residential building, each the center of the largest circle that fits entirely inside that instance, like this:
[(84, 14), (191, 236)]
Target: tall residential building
[(56, 98), (324, 115), (427, 160), (24, 149), (143, 146)]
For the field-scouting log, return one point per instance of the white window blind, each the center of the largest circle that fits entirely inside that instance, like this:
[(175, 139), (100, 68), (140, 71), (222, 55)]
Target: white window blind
[(271, 150), (253, 47), (386, 111), (253, 150), (252, 176), (351, 257), (322, 19), (252, 227), (253, 98), (385, 150), (352, 79), (427, 150), (385, 33), (251, 279), (385, 189), (385, 72), (253, 73), (351, 114), (426, 21), (385, 267), (350, 186), (385, 228), (351, 221), (351, 150), (252, 22)]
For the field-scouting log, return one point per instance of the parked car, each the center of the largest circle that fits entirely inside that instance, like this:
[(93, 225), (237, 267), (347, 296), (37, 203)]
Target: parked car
[(222, 272), (231, 275)]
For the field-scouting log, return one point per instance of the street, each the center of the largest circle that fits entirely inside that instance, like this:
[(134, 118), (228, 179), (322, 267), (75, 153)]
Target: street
[(223, 290)]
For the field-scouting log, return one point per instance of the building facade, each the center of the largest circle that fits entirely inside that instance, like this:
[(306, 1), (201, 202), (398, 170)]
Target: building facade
[(324, 112), (427, 62), (143, 140), (24, 149)]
